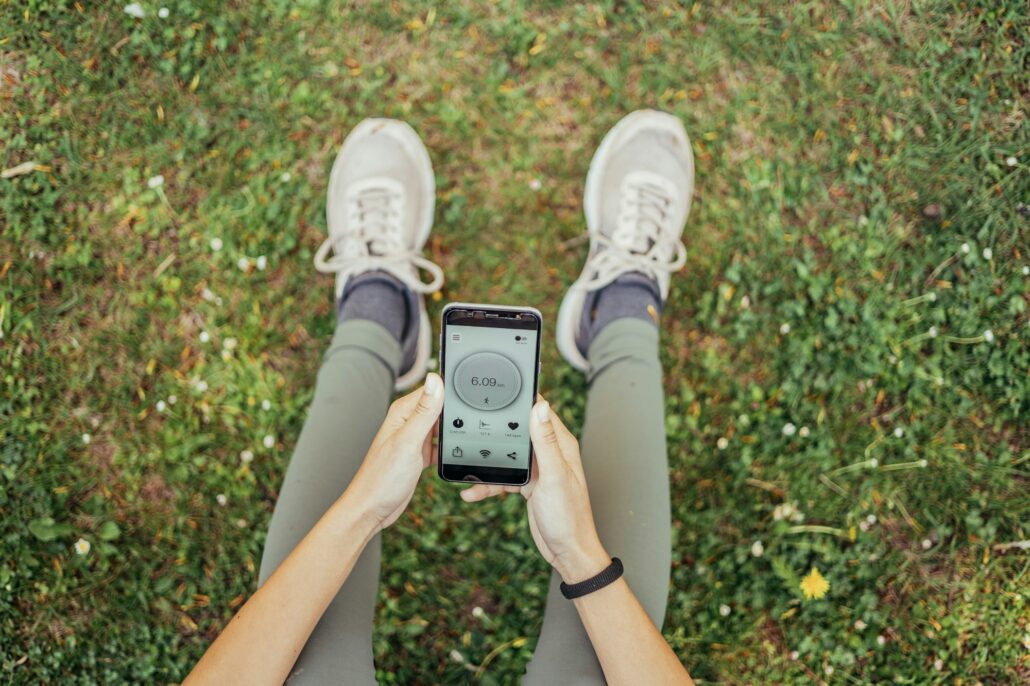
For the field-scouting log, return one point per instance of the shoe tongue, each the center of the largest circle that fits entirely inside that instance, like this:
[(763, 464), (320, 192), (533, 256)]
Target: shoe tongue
[(380, 205), (640, 225)]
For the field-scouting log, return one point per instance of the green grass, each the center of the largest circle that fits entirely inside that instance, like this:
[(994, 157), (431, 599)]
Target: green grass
[(846, 152)]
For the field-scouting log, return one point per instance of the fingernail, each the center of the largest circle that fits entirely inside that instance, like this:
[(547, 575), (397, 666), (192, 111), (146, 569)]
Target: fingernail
[(543, 412), (432, 384)]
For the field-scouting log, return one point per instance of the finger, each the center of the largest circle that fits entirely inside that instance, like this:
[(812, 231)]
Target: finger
[(483, 491), (545, 440), (423, 412)]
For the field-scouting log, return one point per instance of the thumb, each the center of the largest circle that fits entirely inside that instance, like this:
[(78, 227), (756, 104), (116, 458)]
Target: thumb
[(422, 418), (545, 440)]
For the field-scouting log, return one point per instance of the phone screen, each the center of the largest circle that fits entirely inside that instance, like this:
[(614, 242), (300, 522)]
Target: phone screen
[(489, 362)]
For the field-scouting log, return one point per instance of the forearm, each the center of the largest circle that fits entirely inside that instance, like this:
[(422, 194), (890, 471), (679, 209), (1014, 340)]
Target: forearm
[(628, 645), (261, 643)]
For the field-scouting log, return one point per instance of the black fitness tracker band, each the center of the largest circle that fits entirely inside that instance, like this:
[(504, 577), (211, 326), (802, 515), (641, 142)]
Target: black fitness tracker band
[(608, 575)]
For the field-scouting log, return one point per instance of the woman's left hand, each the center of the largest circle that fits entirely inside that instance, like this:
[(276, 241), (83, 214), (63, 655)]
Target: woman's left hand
[(401, 449)]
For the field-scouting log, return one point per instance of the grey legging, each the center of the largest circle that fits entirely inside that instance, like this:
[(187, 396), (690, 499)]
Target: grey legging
[(624, 457)]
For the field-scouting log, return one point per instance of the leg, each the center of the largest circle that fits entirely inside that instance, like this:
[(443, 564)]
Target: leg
[(353, 393), (636, 202), (379, 212), (624, 458)]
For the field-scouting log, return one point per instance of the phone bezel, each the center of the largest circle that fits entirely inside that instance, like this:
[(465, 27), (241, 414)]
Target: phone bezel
[(493, 316)]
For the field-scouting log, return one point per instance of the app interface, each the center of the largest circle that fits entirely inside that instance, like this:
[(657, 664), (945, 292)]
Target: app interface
[(489, 373)]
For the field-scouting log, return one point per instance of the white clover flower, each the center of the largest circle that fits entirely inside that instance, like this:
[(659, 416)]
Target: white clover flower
[(898, 432), (722, 443), (243, 263), (863, 526), (932, 332), (82, 547), (535, 185), (932, 296), (1026, 270), (860, 625), (828, 669), (1011, 161), (221, 499), (172, 399), (163, 13), (881, 640), (927, 544), (155, 181), (785, 328), (86, 438), (161, 406), (226, 355), (478, 612), (201, 385), (757, 549), (204, 337), (268, 441), (938, 664), (246, 456), (724, 610), (989, 336), (789, 429), (745, 302), (230, 343), (871, 519), (266, 405), (987, 253), (135, 10), (923, 462), (261, 262), (788, 512), (216, 245), (804, 432), (966, 248), (457, 657), (241, 523), (285, 177)]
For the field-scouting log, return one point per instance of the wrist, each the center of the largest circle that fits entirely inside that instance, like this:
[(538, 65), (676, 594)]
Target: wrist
[(356, 517), (583, 562)]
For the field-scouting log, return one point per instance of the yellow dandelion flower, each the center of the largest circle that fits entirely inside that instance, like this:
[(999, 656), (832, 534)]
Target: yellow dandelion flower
[(814, 585)]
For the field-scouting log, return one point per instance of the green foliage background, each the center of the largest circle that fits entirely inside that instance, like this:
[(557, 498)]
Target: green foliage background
[(860, 222)]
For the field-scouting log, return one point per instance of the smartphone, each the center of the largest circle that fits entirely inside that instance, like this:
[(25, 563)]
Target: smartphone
[(490, 363)]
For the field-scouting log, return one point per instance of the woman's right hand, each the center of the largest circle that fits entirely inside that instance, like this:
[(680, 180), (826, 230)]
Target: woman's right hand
[(560, 518)]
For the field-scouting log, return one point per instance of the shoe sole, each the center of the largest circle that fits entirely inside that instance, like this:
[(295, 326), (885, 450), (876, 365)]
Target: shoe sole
[(571, 309), (409, 139)]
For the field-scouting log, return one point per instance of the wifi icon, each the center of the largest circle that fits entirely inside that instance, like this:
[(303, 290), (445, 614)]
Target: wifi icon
[(484, 452)]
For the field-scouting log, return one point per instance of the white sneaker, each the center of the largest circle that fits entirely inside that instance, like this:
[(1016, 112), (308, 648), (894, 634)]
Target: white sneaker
[(379, 212), (636, 203)]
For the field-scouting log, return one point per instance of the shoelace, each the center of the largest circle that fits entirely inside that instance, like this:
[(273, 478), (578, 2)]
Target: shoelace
[(646, 214), (377, 228)]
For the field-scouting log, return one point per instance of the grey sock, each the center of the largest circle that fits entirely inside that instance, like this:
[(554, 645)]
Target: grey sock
[(379, 297), (631, 295)]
